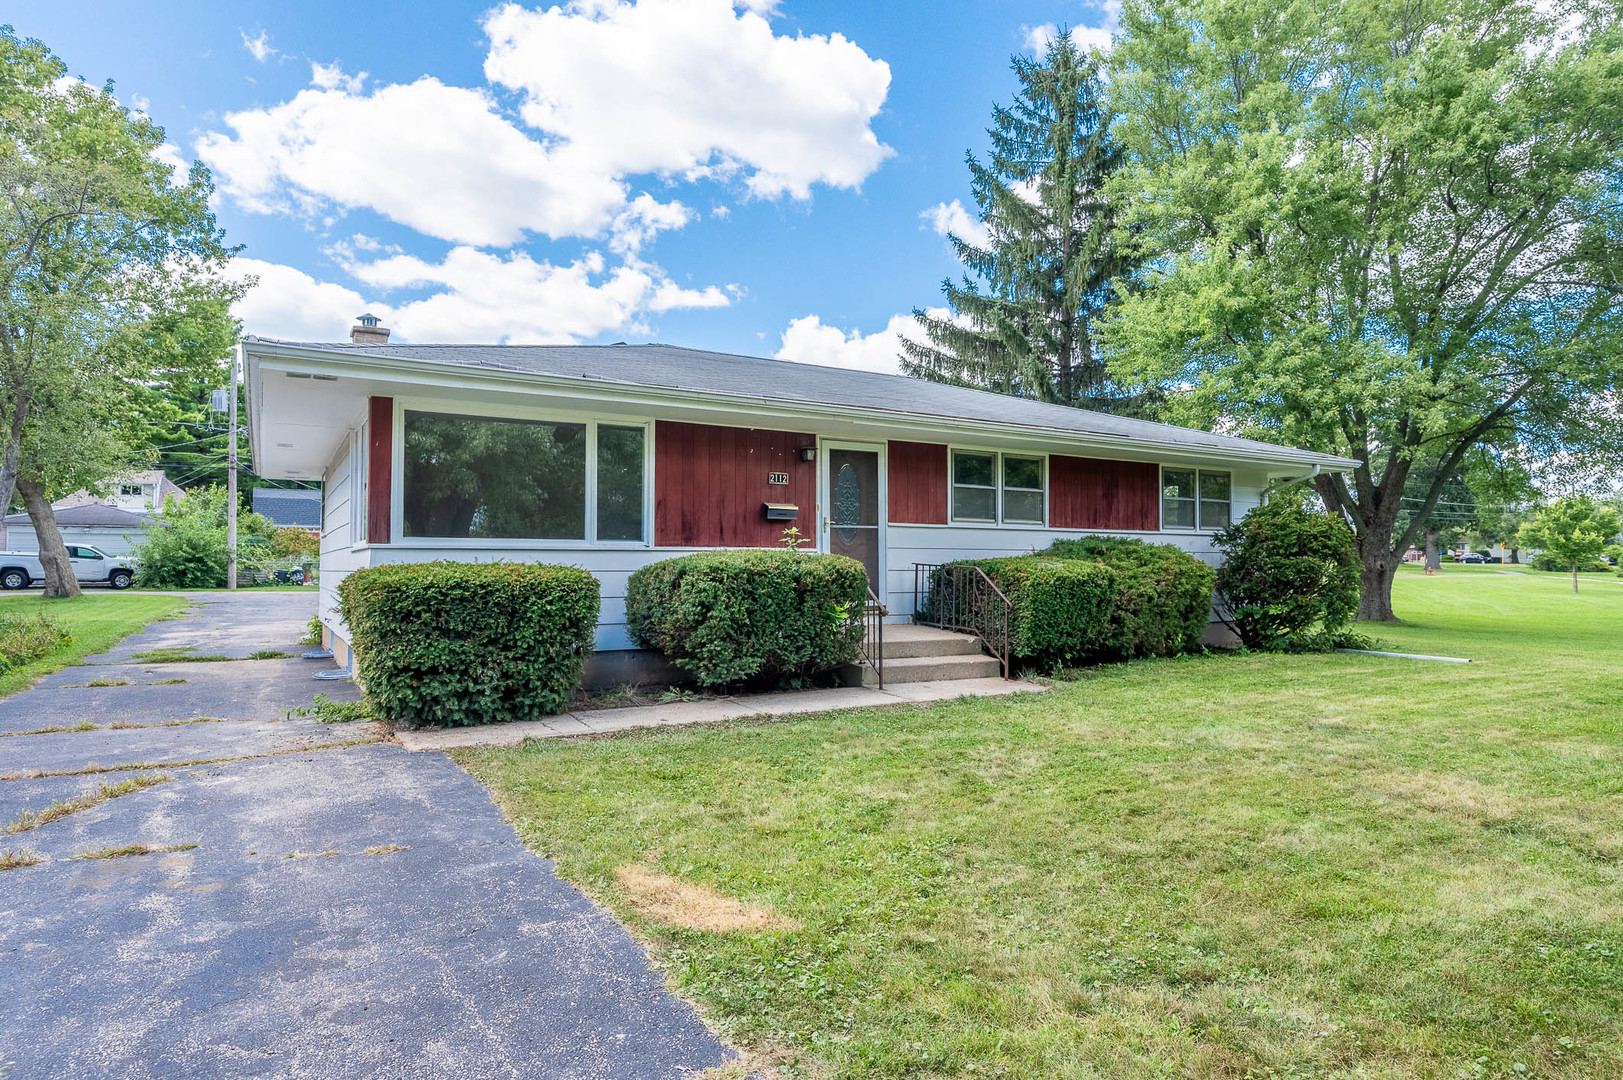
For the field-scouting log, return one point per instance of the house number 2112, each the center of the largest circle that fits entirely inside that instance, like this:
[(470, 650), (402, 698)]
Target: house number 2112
[(777, 478)]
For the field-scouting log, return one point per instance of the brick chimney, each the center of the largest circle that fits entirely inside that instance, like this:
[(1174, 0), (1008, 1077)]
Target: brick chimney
[(366, 331)]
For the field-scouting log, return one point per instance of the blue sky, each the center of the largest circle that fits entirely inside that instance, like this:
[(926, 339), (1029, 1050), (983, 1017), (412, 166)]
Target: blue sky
[(751, 177)]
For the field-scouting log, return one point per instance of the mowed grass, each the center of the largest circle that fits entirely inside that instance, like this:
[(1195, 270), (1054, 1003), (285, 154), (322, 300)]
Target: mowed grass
[(1223, 866), (97, 620)]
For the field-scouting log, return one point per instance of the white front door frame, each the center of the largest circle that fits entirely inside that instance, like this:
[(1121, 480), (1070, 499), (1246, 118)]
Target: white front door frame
[(825, 502)]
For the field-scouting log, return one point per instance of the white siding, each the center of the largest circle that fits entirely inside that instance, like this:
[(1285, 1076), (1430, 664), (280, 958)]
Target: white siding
[(338, 555), (611, 566)]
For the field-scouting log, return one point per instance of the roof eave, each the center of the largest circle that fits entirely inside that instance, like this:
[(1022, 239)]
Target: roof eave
[(345, 363)]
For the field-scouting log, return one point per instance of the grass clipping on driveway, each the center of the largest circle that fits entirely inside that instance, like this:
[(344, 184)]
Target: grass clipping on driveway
[(1255, 865)]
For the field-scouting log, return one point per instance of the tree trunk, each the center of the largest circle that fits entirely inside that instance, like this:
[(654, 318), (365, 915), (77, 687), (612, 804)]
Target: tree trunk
[(1515, 556), (1434, 559), (1574, 577), (53, 554), (1375, 587), (11, 459)]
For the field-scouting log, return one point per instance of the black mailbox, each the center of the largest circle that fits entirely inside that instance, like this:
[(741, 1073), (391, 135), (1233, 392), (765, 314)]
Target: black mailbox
[(781, 511)]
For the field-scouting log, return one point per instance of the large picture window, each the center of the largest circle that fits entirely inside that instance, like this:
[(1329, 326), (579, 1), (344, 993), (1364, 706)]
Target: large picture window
[(988, 488), (473, 477)]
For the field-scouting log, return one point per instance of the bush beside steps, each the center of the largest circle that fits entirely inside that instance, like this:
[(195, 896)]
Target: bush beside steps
[(761, 617), (469, 643), (1102, 598)]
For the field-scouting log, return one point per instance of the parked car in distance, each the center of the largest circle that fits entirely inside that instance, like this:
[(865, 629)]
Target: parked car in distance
[(1472, 557), (91, 566)]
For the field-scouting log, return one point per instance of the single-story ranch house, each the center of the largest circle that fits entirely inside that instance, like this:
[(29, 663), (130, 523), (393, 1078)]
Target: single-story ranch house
[(611, 457)]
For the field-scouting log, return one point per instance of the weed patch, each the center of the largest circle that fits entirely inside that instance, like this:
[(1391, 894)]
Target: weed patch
[(324, 710), (17, 858), (270, 654), (124, 851), (165, 682), (177, 654), (33, 819), (386, 849), (54, 729), (93, 770)]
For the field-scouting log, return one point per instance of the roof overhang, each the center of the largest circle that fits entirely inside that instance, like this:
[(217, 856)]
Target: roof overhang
[(303, 399)]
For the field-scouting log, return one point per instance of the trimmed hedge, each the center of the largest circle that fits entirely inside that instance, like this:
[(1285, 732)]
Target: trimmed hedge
[(469, 643), (1061, 607), (750, 616), (1163, 598)]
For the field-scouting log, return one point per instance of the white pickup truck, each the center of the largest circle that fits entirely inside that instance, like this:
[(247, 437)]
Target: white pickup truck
[(92, 566)]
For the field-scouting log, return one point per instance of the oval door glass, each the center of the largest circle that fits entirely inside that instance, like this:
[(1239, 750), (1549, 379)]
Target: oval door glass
[(847, 503)]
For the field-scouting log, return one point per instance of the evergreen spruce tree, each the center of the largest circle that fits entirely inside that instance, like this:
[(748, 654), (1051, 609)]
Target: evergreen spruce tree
[(1021, 320)]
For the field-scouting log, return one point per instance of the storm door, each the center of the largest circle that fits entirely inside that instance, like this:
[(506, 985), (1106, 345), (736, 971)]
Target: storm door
[(855, 509)]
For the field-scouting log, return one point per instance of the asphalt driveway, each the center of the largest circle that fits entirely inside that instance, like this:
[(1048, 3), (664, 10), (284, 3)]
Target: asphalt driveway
[(349, 909)]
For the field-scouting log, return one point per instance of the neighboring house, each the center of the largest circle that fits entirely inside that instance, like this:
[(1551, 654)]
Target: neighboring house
[(114, 531), (613, 457), (289, 507), (139, 493)]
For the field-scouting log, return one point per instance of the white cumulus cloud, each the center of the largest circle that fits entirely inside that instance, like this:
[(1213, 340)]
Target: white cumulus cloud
[(693, 88), (1037, 38), (473, 295), (808, 340), (436, 158), (952, 218), (290, 304), (681, 89)]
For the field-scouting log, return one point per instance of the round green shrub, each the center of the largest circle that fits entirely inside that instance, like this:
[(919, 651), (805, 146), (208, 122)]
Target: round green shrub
[(1163, 598), (1060, 607), (1288, 571), (760, 616), (469, 643)]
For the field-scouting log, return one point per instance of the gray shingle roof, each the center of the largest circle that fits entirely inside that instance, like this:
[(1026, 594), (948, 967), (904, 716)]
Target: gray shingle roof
[(675, 368), (289, 506), (91, 514)]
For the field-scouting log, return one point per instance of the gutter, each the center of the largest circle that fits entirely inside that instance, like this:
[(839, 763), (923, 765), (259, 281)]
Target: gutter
[(344, 363)]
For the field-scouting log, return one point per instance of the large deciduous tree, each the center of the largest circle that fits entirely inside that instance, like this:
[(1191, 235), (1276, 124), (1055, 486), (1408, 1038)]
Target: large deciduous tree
[(1022, 319), (97, 236), (1389, 229)]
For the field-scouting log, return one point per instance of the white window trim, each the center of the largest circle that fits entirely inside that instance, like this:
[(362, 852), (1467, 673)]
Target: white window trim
[(1200, 518), (1199, 526), (997, 456), (397, 500)]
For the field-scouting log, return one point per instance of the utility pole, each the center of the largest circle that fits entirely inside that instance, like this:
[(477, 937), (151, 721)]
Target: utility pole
[(231, 483)]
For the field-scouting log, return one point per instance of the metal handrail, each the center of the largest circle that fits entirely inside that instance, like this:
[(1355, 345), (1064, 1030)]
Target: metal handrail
[(959, 597), (873, 635)]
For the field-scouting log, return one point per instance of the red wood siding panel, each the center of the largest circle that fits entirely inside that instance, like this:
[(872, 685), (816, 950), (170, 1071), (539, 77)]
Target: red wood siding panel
[(1090, 493), (710, 482), (379, 469), (918, 483)]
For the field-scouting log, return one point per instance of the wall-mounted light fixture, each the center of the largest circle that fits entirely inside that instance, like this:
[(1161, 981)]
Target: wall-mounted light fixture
[(808, 453)]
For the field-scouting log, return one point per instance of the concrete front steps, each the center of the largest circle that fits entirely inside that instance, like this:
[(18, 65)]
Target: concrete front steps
[(926, 654)]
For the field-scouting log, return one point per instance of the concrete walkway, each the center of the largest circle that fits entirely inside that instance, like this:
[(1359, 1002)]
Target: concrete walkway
[(341, 910), (714, 711)]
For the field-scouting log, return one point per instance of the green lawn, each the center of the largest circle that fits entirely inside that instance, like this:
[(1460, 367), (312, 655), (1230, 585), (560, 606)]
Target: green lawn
[(1243, 866), (98, 621)]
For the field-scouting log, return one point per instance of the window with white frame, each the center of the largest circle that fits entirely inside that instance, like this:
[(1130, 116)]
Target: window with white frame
[(1215, 499), (476, 477), (988, 488), (974, 486), (1193, 498)]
